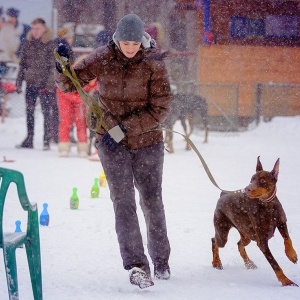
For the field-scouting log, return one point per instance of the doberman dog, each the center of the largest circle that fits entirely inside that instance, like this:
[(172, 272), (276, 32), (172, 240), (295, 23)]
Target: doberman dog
[(185, 107), (255, 212)]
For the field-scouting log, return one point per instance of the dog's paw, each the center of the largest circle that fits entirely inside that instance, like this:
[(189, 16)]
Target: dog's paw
[(217, 265), (250, 265), (288, 282), (292, 255)]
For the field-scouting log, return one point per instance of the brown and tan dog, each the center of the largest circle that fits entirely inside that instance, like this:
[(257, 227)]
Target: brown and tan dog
[(255, 212)]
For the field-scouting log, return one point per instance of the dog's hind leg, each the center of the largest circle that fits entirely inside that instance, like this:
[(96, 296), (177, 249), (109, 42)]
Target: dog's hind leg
[(204, 112), (191, 128), (169, 141), (205, 132), (243, 242), (216, 263), (91, 139), (222, 227)]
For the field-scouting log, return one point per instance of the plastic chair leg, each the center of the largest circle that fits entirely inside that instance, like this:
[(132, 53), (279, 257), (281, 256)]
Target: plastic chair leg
[(11, 272), (34, 264)]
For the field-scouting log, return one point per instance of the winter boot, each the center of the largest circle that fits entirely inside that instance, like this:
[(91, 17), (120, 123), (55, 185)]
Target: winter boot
[(27, 143), (162, 270), (139, 277), (82, 149), (64, 149)]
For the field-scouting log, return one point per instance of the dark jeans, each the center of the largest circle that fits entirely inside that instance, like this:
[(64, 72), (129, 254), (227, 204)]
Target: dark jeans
[(142, 168), (46, 99)]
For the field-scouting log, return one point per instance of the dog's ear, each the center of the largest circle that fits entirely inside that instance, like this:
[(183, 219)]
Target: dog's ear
[(275, 170), (259, 166)]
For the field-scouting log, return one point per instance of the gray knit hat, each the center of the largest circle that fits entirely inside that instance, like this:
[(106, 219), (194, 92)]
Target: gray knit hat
[(130, 28)]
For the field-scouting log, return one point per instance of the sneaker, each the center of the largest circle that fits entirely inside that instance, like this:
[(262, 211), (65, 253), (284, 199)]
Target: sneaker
[(139, 277), (27, 143), (162, 270)]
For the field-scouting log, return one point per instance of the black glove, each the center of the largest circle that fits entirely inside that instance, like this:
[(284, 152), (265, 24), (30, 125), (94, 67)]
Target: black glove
[(64, 52), (113, 136)]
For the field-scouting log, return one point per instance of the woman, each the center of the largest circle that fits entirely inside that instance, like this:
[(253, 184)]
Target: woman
[(135, 99)]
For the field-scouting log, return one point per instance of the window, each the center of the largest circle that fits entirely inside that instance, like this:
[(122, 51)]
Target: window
[(238, 27), (256, 27), (282, 26)]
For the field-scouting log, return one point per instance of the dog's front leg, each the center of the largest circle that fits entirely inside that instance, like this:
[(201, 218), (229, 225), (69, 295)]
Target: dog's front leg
[(263, 246), (288, 245)]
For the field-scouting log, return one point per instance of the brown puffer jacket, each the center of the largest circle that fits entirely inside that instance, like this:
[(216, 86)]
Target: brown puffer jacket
[(134, 92), (37, 62)]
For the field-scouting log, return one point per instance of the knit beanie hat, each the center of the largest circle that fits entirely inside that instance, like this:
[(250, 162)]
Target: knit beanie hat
[(130, 28), (13, 12)]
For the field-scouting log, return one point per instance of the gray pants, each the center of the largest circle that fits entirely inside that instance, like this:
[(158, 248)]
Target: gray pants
[(141, 168)]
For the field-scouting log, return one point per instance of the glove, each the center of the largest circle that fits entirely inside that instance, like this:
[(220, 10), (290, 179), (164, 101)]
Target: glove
[(64, 52), (113, 136)]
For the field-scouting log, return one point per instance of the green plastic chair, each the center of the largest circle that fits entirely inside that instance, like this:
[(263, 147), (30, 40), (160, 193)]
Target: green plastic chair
[(31, 238)]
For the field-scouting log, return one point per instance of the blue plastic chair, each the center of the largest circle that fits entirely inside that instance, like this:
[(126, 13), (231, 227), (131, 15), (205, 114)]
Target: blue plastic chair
[(31, 238)]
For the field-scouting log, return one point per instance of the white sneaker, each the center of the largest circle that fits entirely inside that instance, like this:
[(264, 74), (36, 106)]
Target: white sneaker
[(139, 277)]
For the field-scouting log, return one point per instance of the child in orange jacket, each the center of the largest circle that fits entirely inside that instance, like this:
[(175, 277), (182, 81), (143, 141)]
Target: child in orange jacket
[(72, 110)]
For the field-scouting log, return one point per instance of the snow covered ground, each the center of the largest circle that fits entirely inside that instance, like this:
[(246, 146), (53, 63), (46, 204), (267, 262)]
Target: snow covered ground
[(80, 255)]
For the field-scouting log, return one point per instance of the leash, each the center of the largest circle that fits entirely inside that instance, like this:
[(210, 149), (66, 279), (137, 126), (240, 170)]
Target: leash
[(97, 111), (205, 166)]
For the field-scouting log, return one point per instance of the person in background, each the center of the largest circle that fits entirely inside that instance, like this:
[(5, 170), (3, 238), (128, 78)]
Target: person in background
[(135, 97), (72, 109), (65, 35), (2, 20), (12, 37), (36, 69), (102, 38)]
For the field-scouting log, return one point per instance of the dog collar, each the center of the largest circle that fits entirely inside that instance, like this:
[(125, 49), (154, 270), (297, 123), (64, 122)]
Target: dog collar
[(271, 197)]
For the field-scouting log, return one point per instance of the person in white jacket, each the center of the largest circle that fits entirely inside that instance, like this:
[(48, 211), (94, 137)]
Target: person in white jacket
[(12, 35)]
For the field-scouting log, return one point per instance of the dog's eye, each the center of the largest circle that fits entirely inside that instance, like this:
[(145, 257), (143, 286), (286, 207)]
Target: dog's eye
[(262, 180)]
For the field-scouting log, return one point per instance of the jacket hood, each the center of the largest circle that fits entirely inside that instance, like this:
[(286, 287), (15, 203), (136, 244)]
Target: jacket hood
[(45, 38)]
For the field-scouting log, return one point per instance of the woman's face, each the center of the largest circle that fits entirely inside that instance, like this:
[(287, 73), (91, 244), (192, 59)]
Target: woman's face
[(129, 48)]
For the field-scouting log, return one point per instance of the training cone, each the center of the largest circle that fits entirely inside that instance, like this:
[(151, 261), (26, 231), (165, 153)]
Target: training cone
[(102, 179)]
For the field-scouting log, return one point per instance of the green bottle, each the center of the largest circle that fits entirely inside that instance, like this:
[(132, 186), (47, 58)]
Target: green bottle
[(95, 189), (74, 200)]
